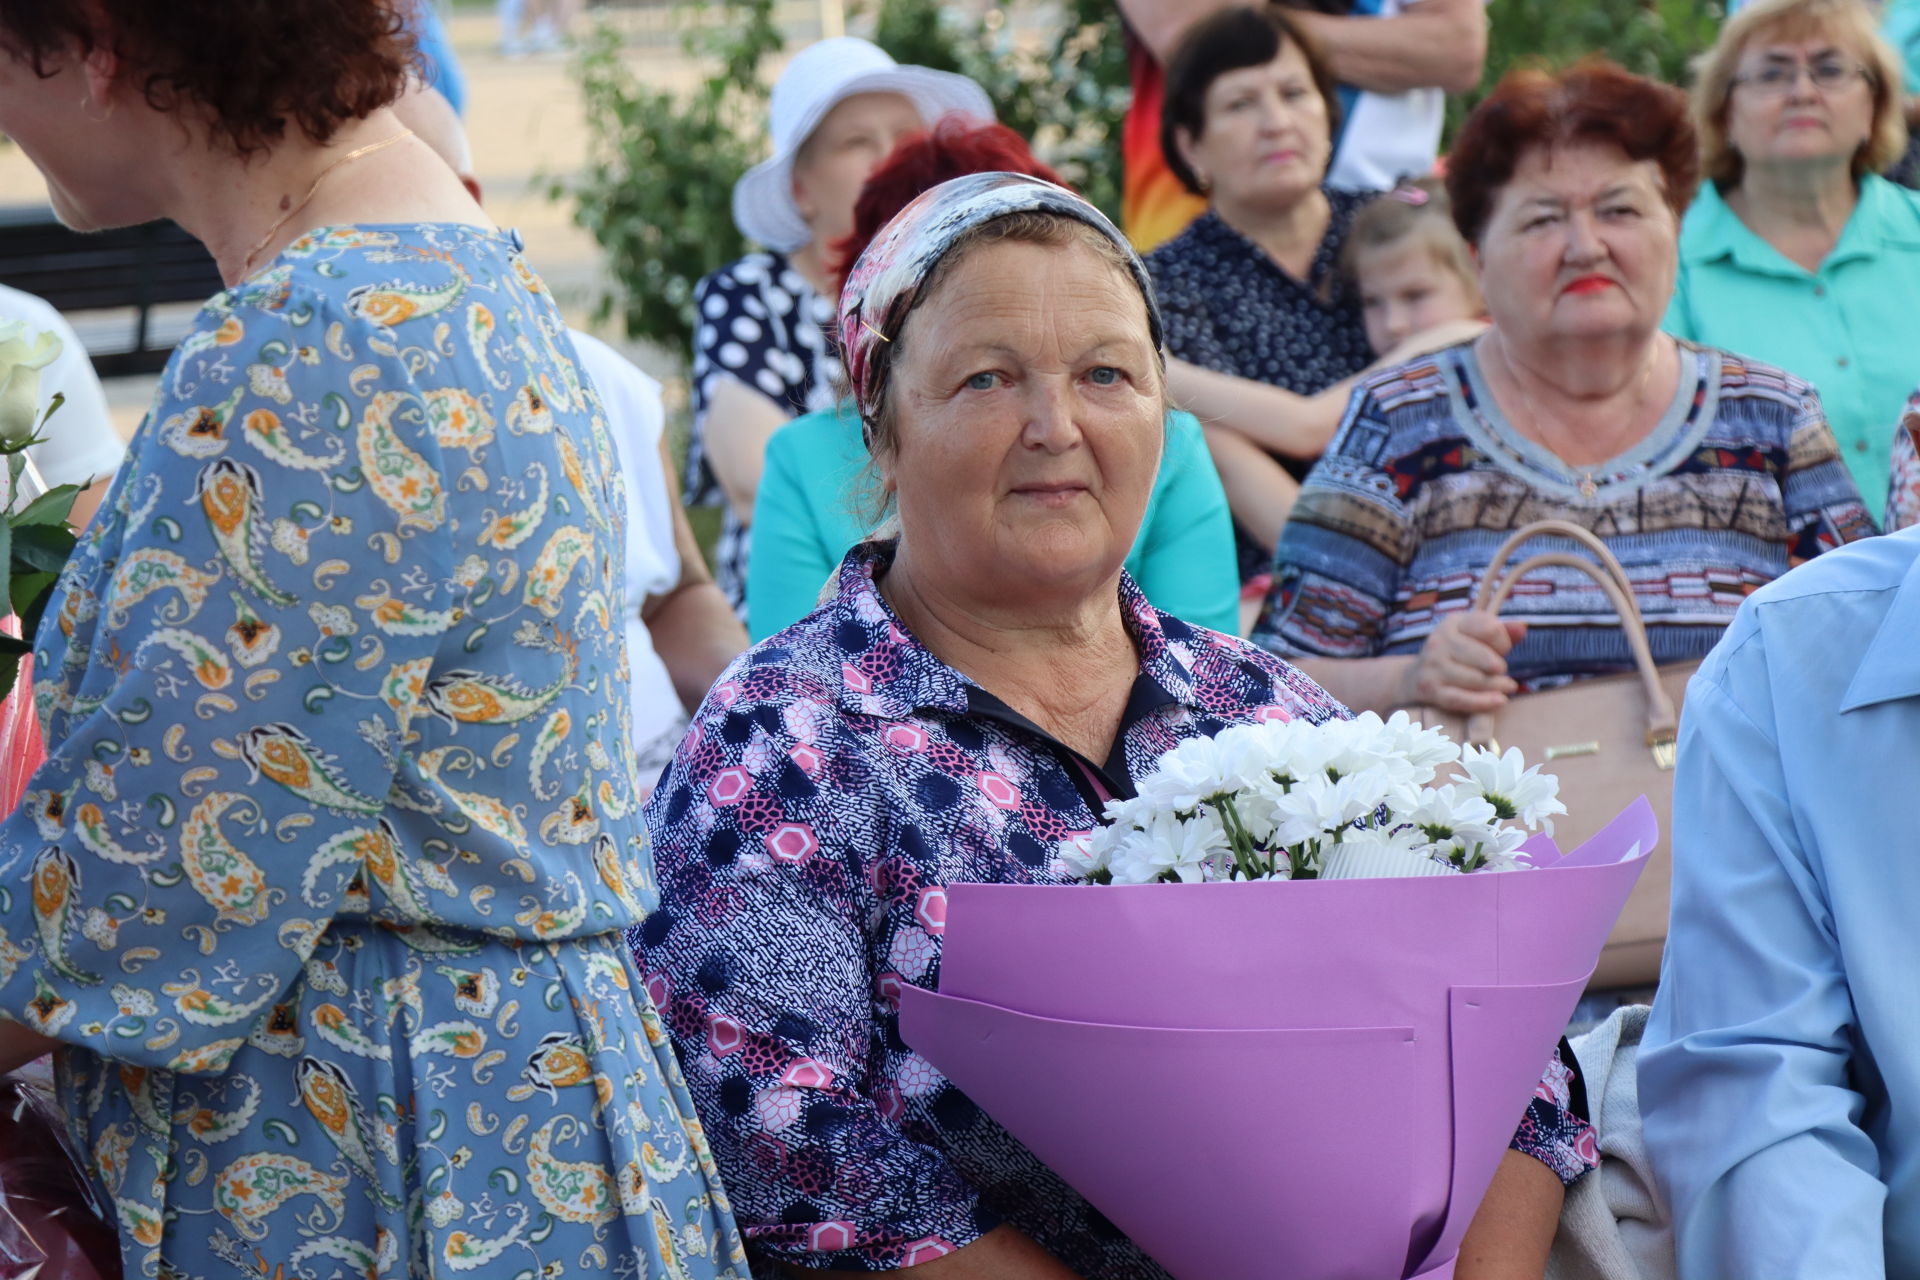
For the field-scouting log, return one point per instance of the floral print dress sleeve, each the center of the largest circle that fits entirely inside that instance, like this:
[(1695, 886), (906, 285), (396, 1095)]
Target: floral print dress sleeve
[(206, 602), (325, 880)]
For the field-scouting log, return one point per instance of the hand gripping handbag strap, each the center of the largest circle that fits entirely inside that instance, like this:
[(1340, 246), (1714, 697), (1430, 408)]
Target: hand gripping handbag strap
[(1498, 584)]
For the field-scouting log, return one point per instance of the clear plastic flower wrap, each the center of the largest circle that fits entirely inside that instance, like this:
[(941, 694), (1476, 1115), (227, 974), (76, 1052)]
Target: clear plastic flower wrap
[(52, 1225)]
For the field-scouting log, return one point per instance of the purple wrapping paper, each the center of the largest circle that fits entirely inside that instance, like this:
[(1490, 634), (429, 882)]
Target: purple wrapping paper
[(1313, 1080)]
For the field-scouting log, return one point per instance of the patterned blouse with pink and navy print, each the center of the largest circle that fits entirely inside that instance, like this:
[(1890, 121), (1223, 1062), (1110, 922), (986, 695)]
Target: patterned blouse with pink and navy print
[(835, 780)]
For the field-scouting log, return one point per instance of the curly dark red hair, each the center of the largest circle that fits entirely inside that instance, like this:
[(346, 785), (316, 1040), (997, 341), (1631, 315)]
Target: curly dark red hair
[(1594, 101), (252, 65), (956, 146)]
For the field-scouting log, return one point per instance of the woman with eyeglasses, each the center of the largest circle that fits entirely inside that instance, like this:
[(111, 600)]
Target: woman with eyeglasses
[(1796, 251)]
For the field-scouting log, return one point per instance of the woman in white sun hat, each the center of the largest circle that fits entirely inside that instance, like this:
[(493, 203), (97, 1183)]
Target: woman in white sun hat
[(761, 354)]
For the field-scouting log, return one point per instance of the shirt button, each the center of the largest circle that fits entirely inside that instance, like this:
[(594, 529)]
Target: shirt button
[(1842, 362), (1860, 446), (1819, 291)]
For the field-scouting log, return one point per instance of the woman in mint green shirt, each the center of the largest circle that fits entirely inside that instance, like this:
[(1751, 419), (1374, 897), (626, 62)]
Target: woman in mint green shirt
[(1796, 252), (809, 512)]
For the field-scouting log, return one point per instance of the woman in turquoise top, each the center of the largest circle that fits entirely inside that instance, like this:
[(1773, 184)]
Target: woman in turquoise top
[(814, 492), (320, 893), (809, 514), (1796, 252)]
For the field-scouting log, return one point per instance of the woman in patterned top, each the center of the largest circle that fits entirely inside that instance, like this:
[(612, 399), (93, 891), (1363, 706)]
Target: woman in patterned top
[(974, 692), (1263, 329), (1707, 474), (322, 889), (1903, 491), (761, 353)]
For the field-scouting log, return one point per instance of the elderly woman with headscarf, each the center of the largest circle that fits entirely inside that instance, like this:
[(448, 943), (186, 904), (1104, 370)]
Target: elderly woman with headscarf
[(976, 691)]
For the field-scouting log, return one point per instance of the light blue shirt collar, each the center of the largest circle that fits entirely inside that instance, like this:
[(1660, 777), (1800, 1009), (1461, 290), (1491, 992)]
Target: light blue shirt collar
[(1891, 668)]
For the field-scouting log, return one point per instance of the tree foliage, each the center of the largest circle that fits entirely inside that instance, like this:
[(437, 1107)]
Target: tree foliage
[(1655, 38), (657, 191)]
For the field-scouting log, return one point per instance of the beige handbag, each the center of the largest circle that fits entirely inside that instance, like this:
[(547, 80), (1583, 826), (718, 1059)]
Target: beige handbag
[(1609, 740)]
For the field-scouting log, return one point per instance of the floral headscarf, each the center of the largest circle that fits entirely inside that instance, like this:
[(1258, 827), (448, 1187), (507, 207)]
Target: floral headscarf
[(886, 281)]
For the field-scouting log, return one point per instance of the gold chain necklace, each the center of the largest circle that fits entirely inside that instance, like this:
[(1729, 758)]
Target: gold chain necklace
[(1588, 486), (246, 265)]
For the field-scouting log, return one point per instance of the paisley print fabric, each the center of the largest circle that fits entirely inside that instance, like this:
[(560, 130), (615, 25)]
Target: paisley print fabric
[(324, 880), (836, 779)]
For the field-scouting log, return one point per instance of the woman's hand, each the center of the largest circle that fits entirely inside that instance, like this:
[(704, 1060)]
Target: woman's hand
[(1463, 665)]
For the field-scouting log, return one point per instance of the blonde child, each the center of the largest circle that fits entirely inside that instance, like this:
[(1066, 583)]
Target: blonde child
[(1413, 271)]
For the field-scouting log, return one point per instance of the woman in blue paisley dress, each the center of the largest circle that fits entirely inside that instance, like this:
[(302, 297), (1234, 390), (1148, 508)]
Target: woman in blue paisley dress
[(321, 891)]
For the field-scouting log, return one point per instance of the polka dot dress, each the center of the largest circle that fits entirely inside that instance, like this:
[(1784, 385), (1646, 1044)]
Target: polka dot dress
[(763, 326)]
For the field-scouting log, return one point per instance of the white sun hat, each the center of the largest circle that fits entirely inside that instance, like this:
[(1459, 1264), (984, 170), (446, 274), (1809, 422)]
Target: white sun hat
[(820, 77)]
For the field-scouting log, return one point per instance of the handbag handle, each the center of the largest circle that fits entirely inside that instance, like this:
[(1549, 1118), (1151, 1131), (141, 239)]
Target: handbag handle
[(1499, 581)]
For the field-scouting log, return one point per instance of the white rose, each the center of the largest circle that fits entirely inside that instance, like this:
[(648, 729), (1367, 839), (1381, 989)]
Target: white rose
[(23, 354)]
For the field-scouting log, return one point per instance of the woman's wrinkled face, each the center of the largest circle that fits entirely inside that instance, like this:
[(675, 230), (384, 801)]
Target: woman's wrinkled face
[(1029, 409), (1267, 139), (1580, 245), (837, 157), (1799, 102)]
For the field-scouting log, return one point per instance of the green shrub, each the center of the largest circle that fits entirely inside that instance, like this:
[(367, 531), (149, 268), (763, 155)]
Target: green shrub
[(657, 191), (1656, 38)]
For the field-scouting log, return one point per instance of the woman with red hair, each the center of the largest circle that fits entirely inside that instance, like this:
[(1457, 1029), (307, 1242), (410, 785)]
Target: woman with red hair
[(1707, 474), (815, 501)]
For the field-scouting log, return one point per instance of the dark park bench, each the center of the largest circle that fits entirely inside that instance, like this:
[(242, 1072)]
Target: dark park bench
[(138, 268)]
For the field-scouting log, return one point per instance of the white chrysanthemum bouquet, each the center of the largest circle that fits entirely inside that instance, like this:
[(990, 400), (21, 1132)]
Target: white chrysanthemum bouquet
[(1345, 799)]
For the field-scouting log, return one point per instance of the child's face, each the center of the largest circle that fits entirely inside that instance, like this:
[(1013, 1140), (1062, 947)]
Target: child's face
[(1405, 289)]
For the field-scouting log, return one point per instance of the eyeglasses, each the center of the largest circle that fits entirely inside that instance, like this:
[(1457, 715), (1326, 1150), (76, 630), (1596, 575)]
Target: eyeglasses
[(1778, 79)]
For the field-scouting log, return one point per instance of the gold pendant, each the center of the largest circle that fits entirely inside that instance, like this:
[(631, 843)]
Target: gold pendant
[(1588, 489)]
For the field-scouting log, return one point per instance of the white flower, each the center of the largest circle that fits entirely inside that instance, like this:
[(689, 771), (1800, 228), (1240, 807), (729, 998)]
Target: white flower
[(1318, 806), (1513, 789), (23, 354), (1186, 776), (1078, 858), (1442, 811), (1420, 744), (1167, 844), (1488, 849)]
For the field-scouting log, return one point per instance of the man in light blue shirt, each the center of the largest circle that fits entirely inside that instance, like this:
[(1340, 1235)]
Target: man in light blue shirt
[(1780, 1074)]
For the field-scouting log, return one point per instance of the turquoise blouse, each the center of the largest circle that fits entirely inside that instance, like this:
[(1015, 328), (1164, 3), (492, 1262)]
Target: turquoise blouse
[(1849, 328), (805, 521)]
